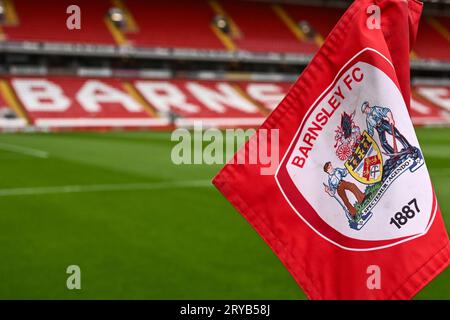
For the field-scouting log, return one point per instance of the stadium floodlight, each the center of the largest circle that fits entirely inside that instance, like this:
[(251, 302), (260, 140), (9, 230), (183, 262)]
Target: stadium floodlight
[(117, 17), (221, 23)]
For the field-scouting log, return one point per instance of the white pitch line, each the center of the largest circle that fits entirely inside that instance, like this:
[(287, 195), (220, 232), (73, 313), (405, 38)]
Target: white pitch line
[(104, 187), (24, 150)]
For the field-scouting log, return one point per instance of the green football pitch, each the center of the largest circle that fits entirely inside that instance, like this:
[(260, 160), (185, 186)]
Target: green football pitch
[(139, 226)]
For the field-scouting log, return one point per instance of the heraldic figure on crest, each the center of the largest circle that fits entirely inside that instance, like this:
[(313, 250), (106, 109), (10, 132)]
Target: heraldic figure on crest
[(363, 160), (336, 183), (382, 120)]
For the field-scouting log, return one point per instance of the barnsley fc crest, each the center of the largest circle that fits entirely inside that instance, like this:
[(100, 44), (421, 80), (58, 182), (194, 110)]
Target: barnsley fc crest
[(365, 164), (354, 171)]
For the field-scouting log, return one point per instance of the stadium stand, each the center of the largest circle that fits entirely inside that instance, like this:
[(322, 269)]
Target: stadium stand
[(433, 38), (424, 112), (43, 100), (177, 24), (264, 24), (41, 21), (321, 20), (9, 118), (71, 102), (74, 102), (173, 24)]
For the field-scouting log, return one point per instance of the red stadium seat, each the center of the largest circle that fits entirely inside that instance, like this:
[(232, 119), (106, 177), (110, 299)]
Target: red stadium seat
[(322, 19), (75, 102), (425, 112), (173, 24), (262, 30), (182, 24), (79, 102), (430, 43), (212, 102), (9, 117), (46, 21)]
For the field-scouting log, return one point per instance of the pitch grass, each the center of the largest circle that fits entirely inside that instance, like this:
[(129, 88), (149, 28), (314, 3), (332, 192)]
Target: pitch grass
[(166, 243)]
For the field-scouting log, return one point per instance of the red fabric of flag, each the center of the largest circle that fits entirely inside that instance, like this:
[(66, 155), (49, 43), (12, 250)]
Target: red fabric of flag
[(350, 211)]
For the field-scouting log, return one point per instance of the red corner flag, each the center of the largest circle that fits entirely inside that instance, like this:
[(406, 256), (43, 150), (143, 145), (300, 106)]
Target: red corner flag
[(350, 210)]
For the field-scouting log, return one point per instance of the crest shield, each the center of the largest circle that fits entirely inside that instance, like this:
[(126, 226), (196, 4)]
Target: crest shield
[(366, 162)]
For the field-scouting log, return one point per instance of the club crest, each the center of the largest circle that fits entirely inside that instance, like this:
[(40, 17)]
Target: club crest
[(355, 162), (365, 163)]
